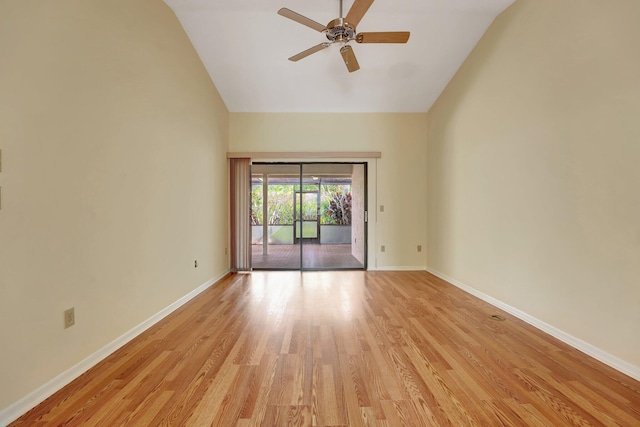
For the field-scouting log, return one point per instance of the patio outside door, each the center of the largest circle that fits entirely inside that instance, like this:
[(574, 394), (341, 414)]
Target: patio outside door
[(308, 216)]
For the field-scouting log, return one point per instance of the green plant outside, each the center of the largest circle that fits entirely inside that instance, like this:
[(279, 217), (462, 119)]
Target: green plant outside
[(335, 204)]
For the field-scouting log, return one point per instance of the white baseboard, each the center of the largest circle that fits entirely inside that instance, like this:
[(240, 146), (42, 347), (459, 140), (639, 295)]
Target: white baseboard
[(398, 268), (589, 349), (17, 409)]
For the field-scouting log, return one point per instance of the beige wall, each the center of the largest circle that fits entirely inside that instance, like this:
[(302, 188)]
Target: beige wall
[(396, 180), (113, 178), (533, 182)]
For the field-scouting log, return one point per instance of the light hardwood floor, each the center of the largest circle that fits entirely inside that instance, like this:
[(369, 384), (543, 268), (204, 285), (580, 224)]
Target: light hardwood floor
[(343, 348)]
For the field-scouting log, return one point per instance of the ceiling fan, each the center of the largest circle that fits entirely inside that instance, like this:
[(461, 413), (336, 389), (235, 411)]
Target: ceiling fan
[(343, 30)]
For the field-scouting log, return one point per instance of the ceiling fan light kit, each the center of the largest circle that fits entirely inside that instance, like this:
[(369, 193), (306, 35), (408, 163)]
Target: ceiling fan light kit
[(343, 30)]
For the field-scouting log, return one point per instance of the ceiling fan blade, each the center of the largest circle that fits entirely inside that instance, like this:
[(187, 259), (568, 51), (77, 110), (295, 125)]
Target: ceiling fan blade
[(357, 11), (349, 58), (305, 53), (384, 37), (301, 19)]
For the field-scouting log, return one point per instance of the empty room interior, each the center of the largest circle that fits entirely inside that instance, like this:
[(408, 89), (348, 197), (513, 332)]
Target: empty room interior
[(432, 219)]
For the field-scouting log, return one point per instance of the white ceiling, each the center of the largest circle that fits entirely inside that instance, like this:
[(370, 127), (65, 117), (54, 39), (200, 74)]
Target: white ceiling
[(244, 45)]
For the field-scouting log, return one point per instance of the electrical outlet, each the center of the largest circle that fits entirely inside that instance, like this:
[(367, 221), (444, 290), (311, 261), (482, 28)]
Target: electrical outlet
[(381, 208), (69, 318), (419, 248), (195, 264), (382, 248)]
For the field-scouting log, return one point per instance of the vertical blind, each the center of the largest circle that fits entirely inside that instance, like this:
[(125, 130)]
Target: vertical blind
[(240, 192)]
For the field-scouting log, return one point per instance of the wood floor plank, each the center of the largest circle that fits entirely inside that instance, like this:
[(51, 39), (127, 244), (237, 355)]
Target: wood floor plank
[(233, 402), (592, 409), (354, 398), (526, 414), (342, 348), (293, 416), (209, 405), (266, 374), (144, 413)]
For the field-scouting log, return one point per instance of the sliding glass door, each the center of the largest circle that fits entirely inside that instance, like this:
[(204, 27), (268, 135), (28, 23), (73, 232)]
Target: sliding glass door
[(308, 216)]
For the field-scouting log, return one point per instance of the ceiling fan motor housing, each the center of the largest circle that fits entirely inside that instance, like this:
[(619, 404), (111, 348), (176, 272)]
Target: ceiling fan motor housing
[(340, 30)]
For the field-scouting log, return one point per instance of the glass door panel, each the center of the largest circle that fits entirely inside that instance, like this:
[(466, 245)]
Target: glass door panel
[(359, 213), (273, 188), (331, 217)]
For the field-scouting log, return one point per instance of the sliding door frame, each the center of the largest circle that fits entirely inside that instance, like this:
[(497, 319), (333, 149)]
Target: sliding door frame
[(301, 165)]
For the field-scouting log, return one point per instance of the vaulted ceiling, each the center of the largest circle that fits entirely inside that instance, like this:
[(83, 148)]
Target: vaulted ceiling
[(244, 45)]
